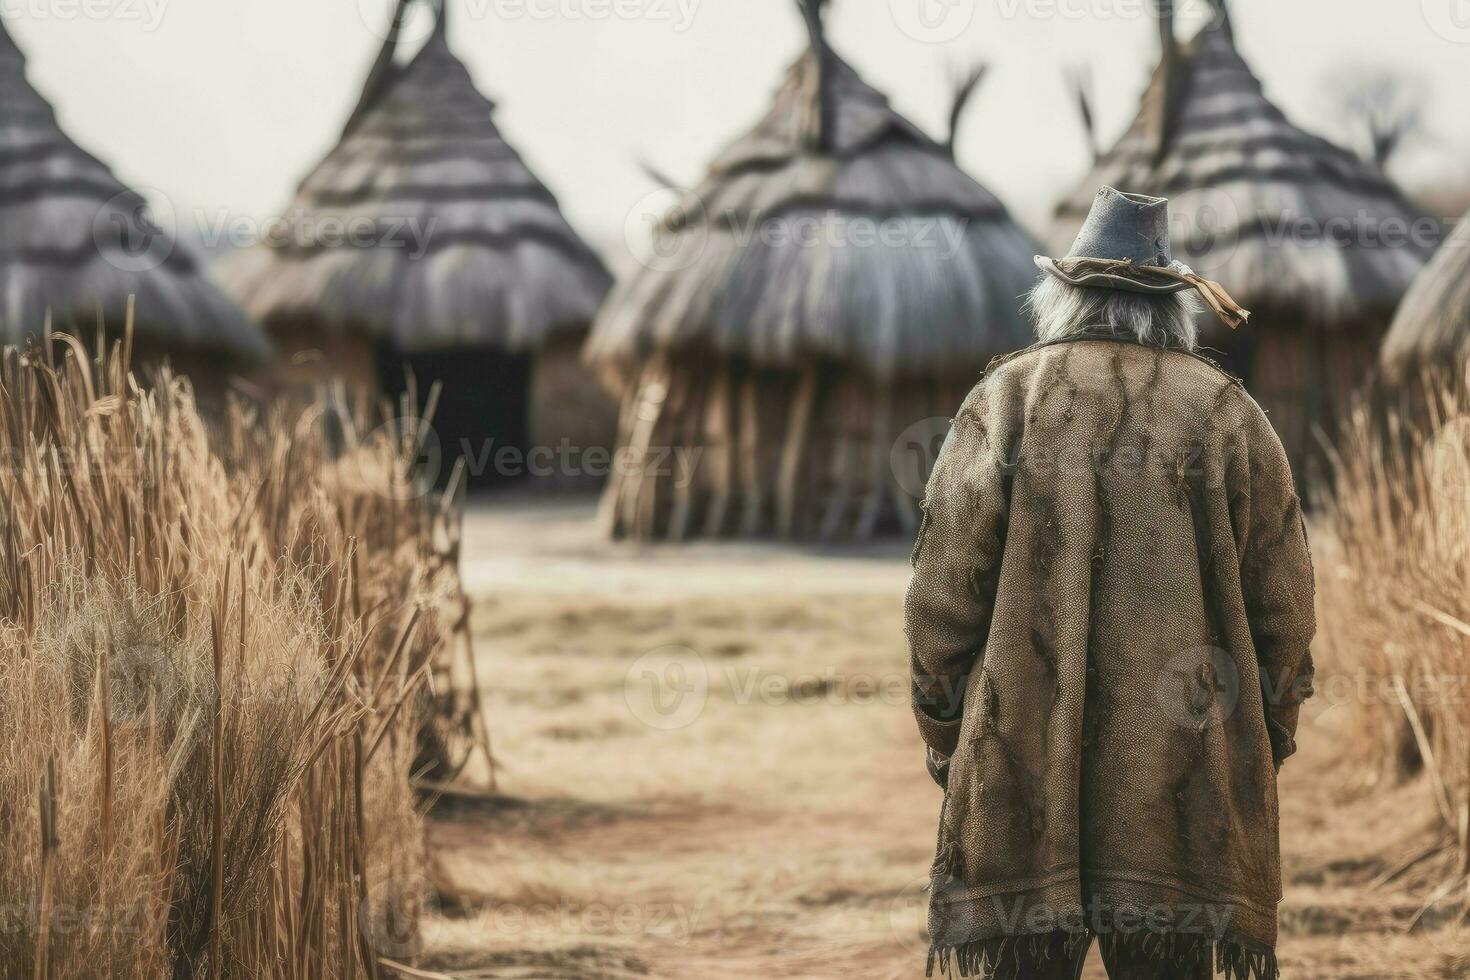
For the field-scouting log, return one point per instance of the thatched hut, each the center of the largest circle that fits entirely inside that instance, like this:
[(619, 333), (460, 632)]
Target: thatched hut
[(1315, 241), (423, 242), (834, 279), (77, 243), (1429, 340)]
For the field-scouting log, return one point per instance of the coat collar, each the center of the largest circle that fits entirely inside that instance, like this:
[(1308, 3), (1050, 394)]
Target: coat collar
[(1101, 334)]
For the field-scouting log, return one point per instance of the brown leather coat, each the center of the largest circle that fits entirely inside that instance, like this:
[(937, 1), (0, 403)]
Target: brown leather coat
[(1110, 620)]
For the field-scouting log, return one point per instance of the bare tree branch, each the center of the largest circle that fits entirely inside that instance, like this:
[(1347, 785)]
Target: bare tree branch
[(1079, 80), (1381, 108), (965, 84)]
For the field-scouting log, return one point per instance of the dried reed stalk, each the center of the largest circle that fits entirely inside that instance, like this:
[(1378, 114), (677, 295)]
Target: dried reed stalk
[(222, 631), (1397, 595)]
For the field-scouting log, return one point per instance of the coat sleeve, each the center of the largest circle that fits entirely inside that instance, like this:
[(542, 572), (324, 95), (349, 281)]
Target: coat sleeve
[(1279, 589), (956, 566)]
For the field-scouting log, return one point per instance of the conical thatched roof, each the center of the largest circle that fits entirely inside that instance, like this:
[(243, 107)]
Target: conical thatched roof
[(423, 226), (74, 239), (780, 255), (1432, 328), (1293, 225)]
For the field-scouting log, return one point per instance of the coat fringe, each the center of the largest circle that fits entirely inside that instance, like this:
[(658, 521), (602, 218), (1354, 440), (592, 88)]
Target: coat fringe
[(1238, 961), (986, 958)]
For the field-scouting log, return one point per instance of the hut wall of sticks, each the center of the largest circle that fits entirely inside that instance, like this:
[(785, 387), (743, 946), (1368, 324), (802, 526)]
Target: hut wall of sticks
[(1428, 345), (80, 252), (1298, 229), (834, 281), (458, 265)]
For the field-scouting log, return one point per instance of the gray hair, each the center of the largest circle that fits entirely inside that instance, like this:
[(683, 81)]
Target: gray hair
[(1061, 310)]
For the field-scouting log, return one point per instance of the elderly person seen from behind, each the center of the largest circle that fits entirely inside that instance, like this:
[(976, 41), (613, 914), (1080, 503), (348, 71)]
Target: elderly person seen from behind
[(1110, 620)]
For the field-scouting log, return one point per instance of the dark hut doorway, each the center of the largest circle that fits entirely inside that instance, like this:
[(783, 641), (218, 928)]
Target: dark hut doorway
[(483, 412)]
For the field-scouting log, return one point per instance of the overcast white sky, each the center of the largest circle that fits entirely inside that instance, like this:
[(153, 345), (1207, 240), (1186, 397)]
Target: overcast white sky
[(218, 107)]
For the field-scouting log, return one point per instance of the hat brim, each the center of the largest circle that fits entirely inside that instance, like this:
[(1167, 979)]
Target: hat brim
[(1111, 280)]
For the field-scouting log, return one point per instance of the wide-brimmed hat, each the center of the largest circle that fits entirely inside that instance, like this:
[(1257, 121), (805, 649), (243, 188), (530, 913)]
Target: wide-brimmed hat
[(1124, 244)]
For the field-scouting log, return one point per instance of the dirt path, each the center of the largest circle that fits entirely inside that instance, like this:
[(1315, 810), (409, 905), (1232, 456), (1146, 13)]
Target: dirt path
[(710, 771)]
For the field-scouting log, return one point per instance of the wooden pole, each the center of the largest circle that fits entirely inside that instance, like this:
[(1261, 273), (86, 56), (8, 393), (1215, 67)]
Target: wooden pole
[(686, 438), (610, 506), (842, 463), (657, 478), (653, 392), (750, 435), (793, 452), (922, 400), (878, 475), (720, 437)]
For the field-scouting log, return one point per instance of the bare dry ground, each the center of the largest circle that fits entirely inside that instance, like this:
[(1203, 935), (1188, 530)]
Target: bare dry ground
[(709, 770)]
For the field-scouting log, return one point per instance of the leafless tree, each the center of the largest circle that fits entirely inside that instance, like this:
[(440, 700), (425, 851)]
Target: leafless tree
[(1382, 109), (1079, 80), (964, 84)]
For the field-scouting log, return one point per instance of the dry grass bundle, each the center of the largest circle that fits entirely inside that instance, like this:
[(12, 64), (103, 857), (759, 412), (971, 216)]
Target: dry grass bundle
[(216, 652), (1398, 598)]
